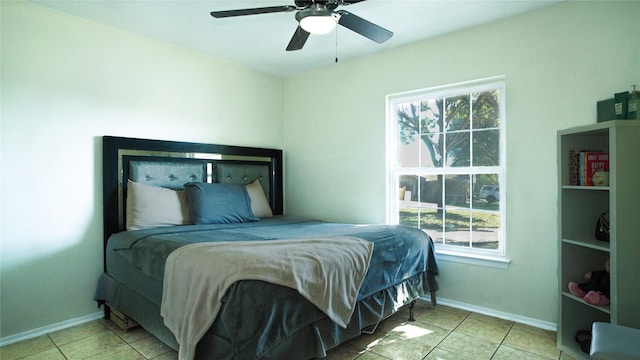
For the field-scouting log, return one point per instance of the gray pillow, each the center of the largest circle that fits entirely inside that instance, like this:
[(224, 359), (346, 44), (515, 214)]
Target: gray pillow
[(218, 203), (259, 204), (152, 206)]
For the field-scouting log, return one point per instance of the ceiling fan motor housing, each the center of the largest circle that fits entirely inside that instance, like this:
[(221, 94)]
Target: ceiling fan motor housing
[(316, 9)]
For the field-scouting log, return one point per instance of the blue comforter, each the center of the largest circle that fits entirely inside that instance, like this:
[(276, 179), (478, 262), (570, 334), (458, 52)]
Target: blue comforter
[(399, 252), (257, 317)]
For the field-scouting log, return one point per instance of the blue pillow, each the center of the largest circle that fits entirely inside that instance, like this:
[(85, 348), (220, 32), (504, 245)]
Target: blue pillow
[(218, 203)]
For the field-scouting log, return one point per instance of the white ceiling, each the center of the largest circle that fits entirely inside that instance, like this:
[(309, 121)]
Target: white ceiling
[(259, 41)]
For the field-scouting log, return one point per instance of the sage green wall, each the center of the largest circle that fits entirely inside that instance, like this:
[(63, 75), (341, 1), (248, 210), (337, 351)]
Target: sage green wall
[(557, 63), (67, 82)]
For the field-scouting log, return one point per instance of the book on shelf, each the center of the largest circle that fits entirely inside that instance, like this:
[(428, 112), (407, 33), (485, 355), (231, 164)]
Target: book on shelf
[(573, 167), (595, 162), (584, 164)]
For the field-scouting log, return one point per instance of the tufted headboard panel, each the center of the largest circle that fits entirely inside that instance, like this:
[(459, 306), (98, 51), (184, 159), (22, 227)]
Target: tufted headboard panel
[(243, 173), (171, 164), (164, 172)]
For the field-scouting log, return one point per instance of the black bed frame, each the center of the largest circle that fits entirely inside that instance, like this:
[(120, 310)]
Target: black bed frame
[(117, 151)]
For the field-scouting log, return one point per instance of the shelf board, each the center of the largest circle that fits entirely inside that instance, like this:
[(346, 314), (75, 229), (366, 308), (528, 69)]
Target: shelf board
[(588, 188), (589, 243), (605, 309), (598, 129)]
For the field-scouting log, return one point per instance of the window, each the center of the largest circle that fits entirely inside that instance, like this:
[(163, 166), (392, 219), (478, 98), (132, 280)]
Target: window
[(446, 154)]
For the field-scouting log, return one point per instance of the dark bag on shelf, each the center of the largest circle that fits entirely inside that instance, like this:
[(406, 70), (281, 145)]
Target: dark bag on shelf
[(583, 337), (602, 227)]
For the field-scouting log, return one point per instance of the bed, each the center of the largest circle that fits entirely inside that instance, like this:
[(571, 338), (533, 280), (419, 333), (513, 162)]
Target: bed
[(254, 318)]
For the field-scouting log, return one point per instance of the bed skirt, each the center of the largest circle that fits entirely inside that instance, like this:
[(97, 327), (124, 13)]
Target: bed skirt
[(312, 340)]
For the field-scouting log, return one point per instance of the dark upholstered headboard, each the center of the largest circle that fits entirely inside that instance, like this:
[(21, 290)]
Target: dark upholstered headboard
[(171, 164)]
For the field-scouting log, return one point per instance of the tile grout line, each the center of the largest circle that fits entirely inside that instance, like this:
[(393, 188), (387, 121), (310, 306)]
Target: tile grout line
[(57, 347), (125, 341), (449, 333), (433, 307), (503, 339)]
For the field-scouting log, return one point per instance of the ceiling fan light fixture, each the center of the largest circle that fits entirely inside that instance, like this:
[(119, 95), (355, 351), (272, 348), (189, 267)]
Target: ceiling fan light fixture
[(318, 24), (317, 19)]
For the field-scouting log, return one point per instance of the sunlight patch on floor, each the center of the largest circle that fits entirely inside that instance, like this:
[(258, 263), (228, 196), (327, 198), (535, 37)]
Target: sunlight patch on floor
[(408, 331)]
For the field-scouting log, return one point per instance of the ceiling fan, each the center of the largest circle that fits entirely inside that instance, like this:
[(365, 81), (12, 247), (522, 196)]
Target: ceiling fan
[(317, 17)]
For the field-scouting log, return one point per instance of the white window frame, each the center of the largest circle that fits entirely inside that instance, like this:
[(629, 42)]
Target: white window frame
[(494, 258)]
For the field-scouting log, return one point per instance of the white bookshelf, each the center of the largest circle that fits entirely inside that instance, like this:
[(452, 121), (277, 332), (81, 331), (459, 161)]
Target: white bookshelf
[(579, 208)]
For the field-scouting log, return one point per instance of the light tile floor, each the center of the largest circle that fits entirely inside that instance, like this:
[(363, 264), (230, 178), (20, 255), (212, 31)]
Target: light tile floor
[(440, 333)]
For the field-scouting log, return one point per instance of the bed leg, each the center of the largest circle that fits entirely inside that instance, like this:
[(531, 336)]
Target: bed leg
[(107, 309), (411, 318)]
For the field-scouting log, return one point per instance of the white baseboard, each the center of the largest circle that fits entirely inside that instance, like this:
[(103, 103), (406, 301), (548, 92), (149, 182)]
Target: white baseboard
[(30, 334), (546, 325), (455, 304)]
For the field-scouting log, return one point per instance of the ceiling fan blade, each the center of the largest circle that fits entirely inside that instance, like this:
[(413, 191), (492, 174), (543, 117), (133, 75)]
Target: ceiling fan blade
[(364, 27), (332, 5), (254, 11), (298, 39)]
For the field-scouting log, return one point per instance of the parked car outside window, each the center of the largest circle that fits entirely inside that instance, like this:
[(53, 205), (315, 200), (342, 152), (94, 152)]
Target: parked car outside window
[(489, 193)]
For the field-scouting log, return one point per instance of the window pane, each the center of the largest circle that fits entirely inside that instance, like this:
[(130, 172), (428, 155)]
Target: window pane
[(408, 117), (431, 113), (432, 149), (408, 151), (486, 192), (458, 150), (409, 217), (486, 148), (432, 224), (486, 226), (408, 188), (457, 190), (457, 113), (457, 227), (486, 109), (431, 191)]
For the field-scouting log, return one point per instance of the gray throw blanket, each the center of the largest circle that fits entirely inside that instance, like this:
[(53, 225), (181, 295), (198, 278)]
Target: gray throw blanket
[(326, 271)]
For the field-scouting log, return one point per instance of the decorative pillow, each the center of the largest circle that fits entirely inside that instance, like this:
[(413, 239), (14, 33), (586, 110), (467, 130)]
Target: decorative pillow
[(259, 204), (218, 203), (152, 206)]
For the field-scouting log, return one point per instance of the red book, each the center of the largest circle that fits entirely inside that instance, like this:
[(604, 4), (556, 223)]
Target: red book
[(593, 163)]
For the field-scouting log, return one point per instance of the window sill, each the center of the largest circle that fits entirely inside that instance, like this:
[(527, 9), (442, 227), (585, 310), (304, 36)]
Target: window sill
[(500, 262)]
